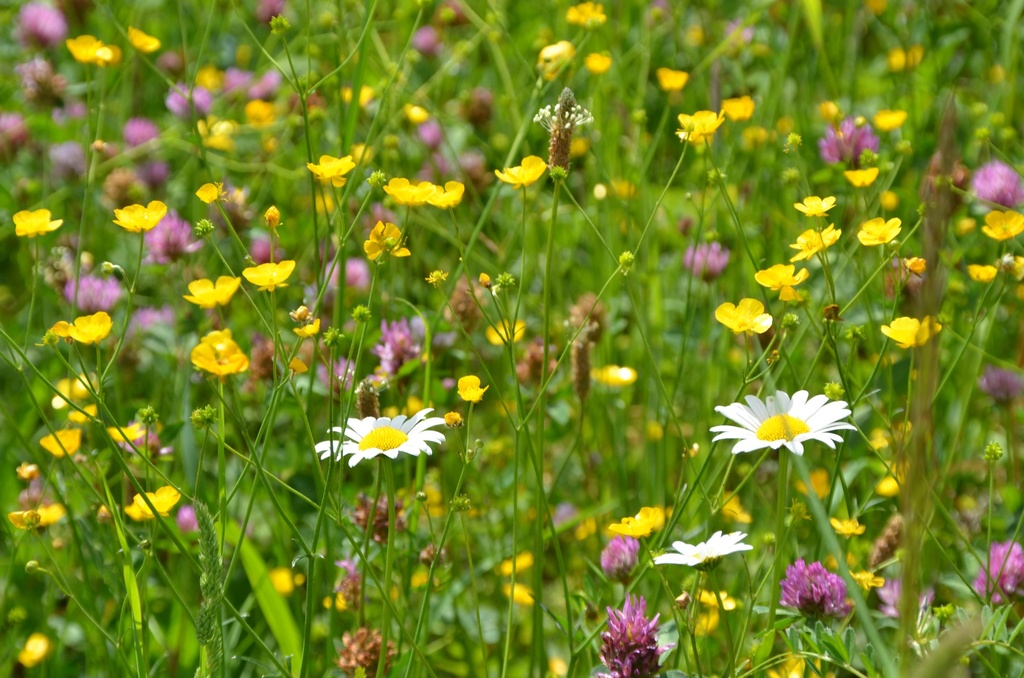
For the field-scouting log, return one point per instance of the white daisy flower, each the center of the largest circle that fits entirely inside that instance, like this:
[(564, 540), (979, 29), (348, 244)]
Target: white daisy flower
[(705, 555), (373, 436), (781, 421)]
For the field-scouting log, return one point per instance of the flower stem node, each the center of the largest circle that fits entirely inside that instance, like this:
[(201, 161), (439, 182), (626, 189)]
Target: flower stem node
[(626, 260)]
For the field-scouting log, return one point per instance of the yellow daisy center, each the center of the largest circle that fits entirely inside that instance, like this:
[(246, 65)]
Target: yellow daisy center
[(382, 438), (781, 427)]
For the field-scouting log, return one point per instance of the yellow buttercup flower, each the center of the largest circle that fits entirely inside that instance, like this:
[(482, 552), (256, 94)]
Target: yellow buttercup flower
[(218, 354), (670, 80), (217, 134), (332, 169), (87, 49), (982, 274), (1003, 225), (523, 561), (889, 201), (915, 265), (406, 193), (87, 415), (269, 276), (282, 580), (614, 375), (734, 510), (847, 528), (553, 57), (748, 316), (867, 580), (309, 330), (137, 219), (711, 600), (820, 482), (522, 595), (738, 108), (699, 127), (887, 121), (385, 239), (163, 501), (810, 242), (782, 278), (861, 178), (63, 442), (597, 64), (35, 650), (126, 434), (469, 389), (648, 520), (911, 332), (365, 95), (210, 192), (146, 44), (417, 115), (829, 111), (447, 197), (813, 206), (207, 294), (499, 335), (89, 329), (260, 114), (43, 516), (586, 14), (531, 169), (878, 231), (30, 224)]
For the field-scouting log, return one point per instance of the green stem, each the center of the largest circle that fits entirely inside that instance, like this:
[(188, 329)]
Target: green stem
[(780, 529), (389, 561)]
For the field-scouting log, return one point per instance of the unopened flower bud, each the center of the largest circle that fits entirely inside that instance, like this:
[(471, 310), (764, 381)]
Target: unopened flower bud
[(834, 391), (993, 452), (361, 314), (272, 216), (453, 419), (626, 260)]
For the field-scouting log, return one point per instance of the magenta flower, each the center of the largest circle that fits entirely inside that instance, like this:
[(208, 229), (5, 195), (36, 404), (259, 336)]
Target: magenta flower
[(1004, 576), (40, 25), (707, 261), (177, 100), (998, 183), (95, 293), (847, 143), (138, 131), (814, 591), (1001, 385), (891, 592), (13, 133), (629, 648), (266, 87), (170, 240), (397, 346), (619, 558)]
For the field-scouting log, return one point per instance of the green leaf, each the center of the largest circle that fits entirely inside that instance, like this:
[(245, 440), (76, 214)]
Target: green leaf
[(272, 604)]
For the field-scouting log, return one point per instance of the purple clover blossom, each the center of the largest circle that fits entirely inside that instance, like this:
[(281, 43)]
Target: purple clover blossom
[(268, 9), (170, 240), (427, 41), (266, 87), (848, 142), (1001, 385), (744, 36), (144, 443), (67, 161), (153, 174), (148, 317), (431, 134), (339, 379), (178, 98), (397, 346), (629, 648), (890, 593), (998, 183), (814, 591), (236, 81), (1004, 576), (357, 274), (41, 25), (95, 293), (707, 261), (186, 519), (619, 558), (13, 133), (138, 131)]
